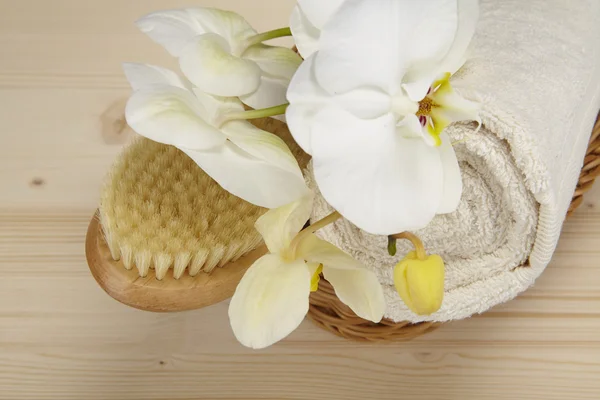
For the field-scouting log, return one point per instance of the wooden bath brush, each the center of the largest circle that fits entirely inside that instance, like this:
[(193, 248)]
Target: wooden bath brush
[(166, 236)]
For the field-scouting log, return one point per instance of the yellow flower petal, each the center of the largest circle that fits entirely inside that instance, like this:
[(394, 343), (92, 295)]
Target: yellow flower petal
[(316, 278)]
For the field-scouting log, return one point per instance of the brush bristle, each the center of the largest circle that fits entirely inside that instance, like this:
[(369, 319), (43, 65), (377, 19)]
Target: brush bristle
[(159, 210)]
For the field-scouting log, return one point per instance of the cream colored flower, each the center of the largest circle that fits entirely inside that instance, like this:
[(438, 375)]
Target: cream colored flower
[(272, 299), (253, 164), (221, 54)]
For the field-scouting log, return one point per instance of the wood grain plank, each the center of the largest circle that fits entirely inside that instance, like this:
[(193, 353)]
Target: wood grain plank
[(66, 336)]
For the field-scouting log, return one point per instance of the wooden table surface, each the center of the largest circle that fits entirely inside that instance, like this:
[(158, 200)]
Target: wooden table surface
[(61, 337)]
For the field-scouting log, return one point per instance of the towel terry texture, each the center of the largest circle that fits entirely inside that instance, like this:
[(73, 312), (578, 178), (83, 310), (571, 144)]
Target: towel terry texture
[(535, 67)]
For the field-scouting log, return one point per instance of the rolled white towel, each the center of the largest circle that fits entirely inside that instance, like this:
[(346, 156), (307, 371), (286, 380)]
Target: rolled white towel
[(535, 67)]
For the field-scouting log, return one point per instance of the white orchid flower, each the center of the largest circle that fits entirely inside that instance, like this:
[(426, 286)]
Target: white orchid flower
[(272, 298), (246, 161), (221, 54), (371, 104)]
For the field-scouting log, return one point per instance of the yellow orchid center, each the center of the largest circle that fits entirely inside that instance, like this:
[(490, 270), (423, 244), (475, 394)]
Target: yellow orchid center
[(419, 278), (431, 119), (316, 278), (425, 107)]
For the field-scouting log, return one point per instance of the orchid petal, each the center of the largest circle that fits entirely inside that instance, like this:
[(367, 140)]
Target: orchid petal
[(453, 185), (468, 15), (420, 77), (306, 99), (359, 289), (308, 18), (299, 119), (313, 249), (279, 62), (408, 34), (208, 63), (382, 182), (417, 90), (257, 181), (306, 35), (319, 12), (365, 102), (175, 29), (304, 87), (279, 226), (142, 76), (270, 301), (172, 29), (410, 127), (451, 106), (171, 115), (263, 145)]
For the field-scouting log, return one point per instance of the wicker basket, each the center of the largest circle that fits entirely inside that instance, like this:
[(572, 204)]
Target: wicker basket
[(331, 314)]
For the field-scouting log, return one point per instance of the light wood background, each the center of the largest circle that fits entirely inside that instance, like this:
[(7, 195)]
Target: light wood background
[(61, 337)]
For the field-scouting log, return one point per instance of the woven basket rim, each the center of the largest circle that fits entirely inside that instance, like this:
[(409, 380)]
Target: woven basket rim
[(328, 312)]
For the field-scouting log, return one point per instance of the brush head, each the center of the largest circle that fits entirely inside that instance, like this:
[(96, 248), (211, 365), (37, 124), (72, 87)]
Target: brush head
[(159, 210)]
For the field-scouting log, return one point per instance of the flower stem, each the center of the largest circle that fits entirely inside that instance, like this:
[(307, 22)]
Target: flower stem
[(414, 239), (328, 220), (322, 223), (274, 34), (254, 114), (392, 246)]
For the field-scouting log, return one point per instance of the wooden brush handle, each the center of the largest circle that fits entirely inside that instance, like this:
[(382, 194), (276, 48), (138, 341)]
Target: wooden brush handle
[(170, 294)]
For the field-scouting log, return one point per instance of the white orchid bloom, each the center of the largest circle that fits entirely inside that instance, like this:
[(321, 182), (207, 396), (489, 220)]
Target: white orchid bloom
[(370, 108), (221, 54), (246, 161), (272, 298)]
